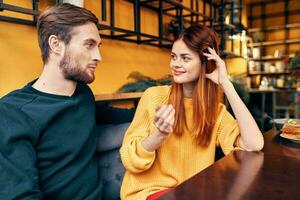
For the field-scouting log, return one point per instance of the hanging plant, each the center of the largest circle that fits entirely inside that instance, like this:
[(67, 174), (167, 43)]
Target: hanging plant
[(295, 70)]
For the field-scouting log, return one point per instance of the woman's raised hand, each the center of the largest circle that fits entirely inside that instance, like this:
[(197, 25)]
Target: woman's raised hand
[(219, 75)]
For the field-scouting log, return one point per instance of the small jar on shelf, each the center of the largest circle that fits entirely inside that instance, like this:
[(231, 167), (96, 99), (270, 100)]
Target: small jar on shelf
[(280, 82)]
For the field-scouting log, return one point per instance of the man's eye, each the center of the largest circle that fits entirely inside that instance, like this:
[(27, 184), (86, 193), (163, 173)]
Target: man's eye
[(173, 57), (89, 44)]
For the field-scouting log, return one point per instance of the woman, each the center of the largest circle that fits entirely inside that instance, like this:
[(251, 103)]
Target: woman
[(176, 129)]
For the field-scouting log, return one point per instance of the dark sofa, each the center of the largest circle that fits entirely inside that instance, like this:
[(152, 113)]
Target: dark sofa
[(111, 168), (112, 124)]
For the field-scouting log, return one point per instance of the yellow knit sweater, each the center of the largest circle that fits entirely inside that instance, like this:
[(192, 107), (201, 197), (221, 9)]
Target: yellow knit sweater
[(178, 158)]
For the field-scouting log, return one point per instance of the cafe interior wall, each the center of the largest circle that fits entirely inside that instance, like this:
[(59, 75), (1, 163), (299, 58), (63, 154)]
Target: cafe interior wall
[(21, 62)]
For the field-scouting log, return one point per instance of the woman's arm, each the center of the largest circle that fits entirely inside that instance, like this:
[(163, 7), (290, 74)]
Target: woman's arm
[(251, 137), (139, 145)]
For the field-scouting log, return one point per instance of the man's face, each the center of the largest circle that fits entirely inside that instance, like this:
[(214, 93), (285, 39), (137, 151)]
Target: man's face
[(82, 54)]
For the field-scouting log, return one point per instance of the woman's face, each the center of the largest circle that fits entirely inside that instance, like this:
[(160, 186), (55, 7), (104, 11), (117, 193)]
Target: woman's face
[(185, 63)]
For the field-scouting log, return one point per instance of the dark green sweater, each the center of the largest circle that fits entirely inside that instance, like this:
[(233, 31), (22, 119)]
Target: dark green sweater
[(47, 145)]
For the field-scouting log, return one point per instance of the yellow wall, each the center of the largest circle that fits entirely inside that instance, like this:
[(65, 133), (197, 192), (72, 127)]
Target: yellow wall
[(119, 59), (21, 63), (20, 55)]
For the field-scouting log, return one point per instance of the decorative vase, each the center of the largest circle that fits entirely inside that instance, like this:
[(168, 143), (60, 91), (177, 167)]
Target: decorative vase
[(75, 2)]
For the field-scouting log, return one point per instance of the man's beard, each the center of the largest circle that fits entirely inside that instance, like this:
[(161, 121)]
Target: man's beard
[(72, 71)]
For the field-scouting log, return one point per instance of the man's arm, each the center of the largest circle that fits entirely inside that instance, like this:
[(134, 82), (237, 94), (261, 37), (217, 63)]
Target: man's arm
[(19, 176)]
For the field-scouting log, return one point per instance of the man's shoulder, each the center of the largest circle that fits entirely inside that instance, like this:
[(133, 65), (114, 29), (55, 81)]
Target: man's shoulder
[(12, 104), (17, 98), (14, 121)]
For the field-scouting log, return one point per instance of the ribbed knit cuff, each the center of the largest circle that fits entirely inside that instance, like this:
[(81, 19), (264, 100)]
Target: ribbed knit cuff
[(142, 152)]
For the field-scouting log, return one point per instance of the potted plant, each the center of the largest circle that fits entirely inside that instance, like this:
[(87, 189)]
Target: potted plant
[(295, 72), (141, 82)]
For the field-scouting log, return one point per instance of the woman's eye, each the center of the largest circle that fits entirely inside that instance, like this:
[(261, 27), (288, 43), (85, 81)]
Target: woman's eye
[(173, 57), (186, 59)]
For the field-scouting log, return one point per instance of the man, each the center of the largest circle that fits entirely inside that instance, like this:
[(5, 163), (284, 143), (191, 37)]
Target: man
[(47, 128)]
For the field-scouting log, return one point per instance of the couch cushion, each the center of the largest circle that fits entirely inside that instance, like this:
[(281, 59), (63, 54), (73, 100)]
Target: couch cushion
[(111, 169), (110, 136), (112, 172)]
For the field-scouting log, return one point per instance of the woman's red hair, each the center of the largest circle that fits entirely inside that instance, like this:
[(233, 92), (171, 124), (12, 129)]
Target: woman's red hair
[(206, 94)]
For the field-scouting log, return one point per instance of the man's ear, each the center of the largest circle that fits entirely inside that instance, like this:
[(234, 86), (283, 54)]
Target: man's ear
[(55, 44)]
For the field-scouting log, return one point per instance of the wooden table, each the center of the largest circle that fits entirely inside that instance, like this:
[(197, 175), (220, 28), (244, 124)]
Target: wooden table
[(273, 174), (119, 96)]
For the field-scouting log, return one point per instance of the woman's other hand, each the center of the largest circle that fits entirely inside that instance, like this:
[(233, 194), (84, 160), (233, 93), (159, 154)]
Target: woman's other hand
[(164, 118)]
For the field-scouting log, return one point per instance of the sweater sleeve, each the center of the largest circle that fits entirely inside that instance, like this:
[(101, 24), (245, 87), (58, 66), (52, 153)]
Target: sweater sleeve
[(18, 171), (134, 157), (228, 132)]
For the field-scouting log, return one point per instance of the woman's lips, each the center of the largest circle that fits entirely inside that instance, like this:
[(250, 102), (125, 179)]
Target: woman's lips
[(177, 73)]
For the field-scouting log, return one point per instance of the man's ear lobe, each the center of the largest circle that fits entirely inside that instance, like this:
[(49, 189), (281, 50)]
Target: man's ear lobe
[(55, 44)]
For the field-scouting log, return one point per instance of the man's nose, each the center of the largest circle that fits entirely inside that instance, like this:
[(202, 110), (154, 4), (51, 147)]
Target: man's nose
[(96, 55)]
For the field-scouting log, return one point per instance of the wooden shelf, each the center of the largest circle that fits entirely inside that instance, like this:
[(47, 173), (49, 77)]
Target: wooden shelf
[(274, 28), (268, 73), (255, 90), (259, 2), (118, 96), (278, 42), (277, 14), (266, 58), (269, 58), (260, 23)]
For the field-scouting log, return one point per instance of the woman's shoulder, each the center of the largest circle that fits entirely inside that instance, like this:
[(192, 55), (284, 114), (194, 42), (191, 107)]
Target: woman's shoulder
[(157, 93), (160, 90), (224, 116), (222, 110)]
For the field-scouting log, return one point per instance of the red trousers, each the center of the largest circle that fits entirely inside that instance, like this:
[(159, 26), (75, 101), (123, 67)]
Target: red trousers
[(154, 196)]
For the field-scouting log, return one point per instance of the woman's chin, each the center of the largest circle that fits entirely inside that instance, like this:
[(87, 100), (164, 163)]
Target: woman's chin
[(178, 80)]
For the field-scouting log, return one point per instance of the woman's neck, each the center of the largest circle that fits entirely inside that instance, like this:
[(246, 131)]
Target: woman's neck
[(188, 89)]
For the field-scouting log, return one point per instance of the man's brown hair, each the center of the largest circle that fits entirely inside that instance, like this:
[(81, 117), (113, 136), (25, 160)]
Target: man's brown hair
[(59, 20)]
